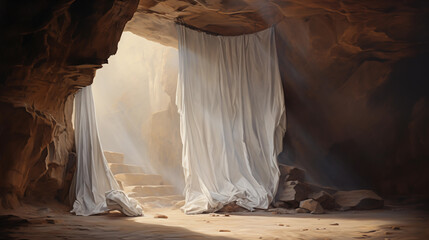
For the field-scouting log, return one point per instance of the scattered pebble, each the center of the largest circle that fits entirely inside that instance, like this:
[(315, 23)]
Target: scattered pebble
[(226, 215), (370, 231), (320, 228), (224, 230), (334, 224), (160, 216), (305, 229), (281, 224), (396, 228)]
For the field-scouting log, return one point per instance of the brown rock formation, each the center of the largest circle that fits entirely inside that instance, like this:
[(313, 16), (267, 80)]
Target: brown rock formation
[(48, 51), (312, 205), (358, 199)]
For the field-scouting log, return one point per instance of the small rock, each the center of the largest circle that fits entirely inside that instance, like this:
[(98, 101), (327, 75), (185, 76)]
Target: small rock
[(325, 199), (334, 224), (160, 216), (226, 215), (290, 173), (358, 199), (305, 229), (312, 205), (292, 192), (302, 210), (279, 204), (281, 224), (396, 228), (232, 207), (224, 230)]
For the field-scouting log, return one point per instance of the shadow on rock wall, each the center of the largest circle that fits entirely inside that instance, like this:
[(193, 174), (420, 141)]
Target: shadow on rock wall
[(357, 101)]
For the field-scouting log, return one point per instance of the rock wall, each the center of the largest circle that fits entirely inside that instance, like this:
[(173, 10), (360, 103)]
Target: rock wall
[(357, 97), (354, 80), (48, 50)]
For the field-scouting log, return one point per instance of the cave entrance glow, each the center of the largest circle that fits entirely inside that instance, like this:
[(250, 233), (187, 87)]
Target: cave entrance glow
[(134, 98)]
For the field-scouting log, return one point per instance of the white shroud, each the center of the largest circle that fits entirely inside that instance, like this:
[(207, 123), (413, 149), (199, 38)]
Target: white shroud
[(232, 119), (96, 189)]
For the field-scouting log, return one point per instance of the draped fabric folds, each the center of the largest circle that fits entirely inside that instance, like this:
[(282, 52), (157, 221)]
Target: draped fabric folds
[(232, 119), (96, 190)]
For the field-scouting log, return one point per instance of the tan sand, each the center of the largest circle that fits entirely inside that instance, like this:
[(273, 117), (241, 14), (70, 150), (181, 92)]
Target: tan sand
[(56, 223)]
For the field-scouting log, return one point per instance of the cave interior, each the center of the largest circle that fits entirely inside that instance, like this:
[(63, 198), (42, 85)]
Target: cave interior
[(354, 76)]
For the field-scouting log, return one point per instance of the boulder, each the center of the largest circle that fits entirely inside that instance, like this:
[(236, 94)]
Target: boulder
[(325, 199), (358, 199), (312, 205), (292, 192), (290, 173)]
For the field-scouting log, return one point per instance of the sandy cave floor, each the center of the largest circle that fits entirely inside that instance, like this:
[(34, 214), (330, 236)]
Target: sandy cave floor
[(56, 223)]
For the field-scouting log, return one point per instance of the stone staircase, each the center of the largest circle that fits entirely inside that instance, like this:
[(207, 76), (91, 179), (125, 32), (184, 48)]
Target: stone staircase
[(149, 189)]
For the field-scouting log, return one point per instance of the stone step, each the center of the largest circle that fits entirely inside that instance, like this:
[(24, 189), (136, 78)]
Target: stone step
[(129, 179), (117, 168), (160, 201), (150, 190), (114, 157)]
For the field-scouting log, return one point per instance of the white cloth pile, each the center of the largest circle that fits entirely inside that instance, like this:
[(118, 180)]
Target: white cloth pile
[(232, 119)]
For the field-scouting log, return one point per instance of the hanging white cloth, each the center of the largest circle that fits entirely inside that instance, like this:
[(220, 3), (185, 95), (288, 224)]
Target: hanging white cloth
[(96, 189), (232, 119)]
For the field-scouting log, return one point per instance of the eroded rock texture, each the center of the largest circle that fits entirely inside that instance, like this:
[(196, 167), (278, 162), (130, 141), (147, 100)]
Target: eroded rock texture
[(354, 75), (48, 50)]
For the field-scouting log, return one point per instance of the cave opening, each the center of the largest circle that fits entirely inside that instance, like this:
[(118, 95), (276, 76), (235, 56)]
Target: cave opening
[(354, 76), (138, 122)]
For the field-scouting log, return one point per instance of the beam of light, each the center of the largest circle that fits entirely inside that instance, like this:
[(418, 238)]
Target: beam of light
[(138, 83)]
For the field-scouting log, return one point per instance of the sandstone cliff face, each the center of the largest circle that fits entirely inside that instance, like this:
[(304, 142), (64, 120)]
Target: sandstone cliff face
[(48, 51), (354, 78)]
